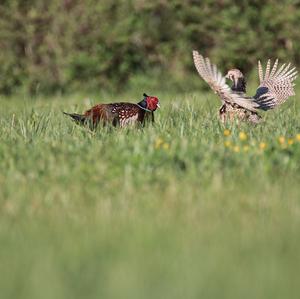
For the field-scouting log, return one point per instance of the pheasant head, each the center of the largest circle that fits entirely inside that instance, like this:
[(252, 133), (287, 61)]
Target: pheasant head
[(238, 79), (149, 103)]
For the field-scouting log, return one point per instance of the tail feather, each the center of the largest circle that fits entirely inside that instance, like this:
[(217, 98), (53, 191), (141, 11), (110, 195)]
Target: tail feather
[(78, 118)]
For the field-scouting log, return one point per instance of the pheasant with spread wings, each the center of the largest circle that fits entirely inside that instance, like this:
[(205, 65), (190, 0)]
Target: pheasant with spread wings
[(276, 85)]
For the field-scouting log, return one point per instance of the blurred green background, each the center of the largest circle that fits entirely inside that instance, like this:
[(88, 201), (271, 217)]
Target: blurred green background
[(71, 45)]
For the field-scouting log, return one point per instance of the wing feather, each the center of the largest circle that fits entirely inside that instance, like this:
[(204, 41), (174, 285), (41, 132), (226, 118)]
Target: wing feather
[(267, 70), (217, 82), (274, 68), (276, 87), (260, 72)]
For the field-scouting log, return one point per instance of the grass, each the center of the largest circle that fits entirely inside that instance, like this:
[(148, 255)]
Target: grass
[(174, 210)]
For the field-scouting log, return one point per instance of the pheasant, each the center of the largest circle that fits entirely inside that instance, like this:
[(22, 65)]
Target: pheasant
[(276, 85), (122, 114)]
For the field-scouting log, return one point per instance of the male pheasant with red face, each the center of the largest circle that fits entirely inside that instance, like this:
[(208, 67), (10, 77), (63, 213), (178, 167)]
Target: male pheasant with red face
[(275, 87), (119, 114)]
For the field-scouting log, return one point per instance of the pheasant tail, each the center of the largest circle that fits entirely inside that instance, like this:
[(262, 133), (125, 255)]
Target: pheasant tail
[(78, 118)]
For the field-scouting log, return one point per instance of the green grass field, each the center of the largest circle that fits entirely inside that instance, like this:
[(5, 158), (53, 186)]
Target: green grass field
[(174, 210)]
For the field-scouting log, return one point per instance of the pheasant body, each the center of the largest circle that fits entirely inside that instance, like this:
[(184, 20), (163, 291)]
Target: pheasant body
[(119, 114), (230, 112), (276, 86)]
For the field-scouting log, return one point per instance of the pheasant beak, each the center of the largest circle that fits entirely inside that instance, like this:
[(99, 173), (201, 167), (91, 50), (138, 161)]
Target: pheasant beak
[(157, 105)]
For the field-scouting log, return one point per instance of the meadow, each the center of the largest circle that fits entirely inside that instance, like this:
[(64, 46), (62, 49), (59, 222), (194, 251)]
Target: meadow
[(185, 208)]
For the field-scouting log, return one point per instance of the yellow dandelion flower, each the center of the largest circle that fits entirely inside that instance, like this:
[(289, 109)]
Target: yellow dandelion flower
[(158, 143), (281, 140), (227, 133), (246, 148), (166, 146), (227, 143), (290, 141), (298, 137), (243, 136), (262, 145), (236, 149)]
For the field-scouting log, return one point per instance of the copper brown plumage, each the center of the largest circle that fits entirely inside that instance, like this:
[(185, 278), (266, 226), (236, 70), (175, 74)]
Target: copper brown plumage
[(276, 86), (119, 114)]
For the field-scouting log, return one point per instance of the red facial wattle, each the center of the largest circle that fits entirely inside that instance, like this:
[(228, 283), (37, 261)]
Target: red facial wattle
[(152, 103)]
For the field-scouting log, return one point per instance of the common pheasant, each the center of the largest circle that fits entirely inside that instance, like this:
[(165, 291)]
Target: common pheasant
[(276, 85), (122, 114)]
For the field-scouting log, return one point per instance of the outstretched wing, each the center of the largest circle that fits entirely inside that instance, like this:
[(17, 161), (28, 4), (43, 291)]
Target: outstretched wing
[(217, 82), (276, 85)]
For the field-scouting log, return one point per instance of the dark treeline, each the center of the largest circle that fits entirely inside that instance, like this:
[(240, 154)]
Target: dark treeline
[(62, 45)]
